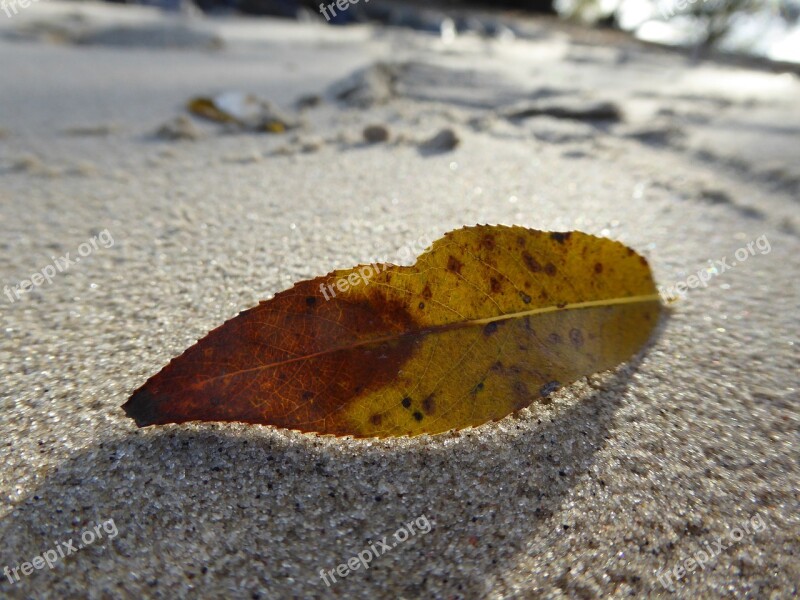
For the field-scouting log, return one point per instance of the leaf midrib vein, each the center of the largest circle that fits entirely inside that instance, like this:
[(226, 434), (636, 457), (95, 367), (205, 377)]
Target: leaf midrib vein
[(449, 326)]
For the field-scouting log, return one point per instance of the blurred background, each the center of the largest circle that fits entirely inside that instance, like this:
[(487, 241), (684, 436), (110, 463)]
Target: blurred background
[(766, 28)]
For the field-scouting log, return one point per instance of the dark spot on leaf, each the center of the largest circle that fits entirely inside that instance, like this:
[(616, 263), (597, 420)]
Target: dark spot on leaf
[(554, 338), (523, 395), (560, 237), (310, 300), (406, 402), (531, 263), (426, 292), (454, 265), (421, 305), (496, 286), (550, 269), (549, 388), (429, 405), (478, 388), (598, 268), (376, 419), (525, 298), (497, 366), (488, 242), (418, 415), (576, 337), (306, 395), (490, 328)]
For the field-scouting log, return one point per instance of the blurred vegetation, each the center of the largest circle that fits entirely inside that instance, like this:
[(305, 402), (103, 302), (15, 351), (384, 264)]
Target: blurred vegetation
[(716, 16), (712, 19)]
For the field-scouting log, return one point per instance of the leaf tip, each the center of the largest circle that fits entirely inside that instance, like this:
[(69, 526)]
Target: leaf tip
[(142, 407)]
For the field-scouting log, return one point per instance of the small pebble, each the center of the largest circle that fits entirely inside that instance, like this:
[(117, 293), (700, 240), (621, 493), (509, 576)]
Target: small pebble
[(375, 134), (444, 141)]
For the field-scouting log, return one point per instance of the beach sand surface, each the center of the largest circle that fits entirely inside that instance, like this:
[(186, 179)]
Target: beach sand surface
[(619, 480)]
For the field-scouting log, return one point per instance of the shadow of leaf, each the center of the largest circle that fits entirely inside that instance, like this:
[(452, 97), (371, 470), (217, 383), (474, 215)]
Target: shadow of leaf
[(259, 513)]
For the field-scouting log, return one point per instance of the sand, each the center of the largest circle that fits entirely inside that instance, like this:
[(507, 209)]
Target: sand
[(620, 480)]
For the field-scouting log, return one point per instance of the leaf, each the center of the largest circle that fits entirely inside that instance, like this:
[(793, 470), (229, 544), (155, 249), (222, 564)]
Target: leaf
[(488, 320), (244, 110)]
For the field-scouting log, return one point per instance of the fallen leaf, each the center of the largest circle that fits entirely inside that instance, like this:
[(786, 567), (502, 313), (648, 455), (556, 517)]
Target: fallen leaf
[(243, 110), (488, 320), (205, 107)]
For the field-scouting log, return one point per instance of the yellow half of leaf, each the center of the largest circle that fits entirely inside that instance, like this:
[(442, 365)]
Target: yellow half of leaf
[(504, 317)]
